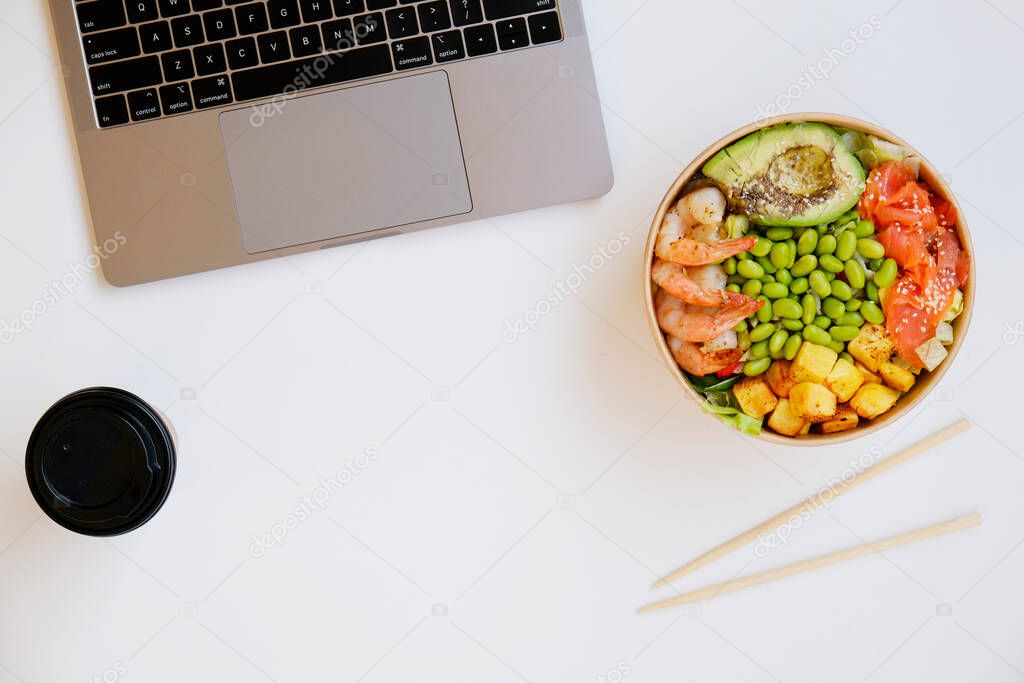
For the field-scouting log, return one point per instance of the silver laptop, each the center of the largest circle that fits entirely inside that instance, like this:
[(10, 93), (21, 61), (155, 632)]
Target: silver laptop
[(213, 133)]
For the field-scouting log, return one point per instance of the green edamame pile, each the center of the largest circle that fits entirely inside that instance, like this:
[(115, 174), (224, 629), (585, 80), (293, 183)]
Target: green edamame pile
[(818, 284)]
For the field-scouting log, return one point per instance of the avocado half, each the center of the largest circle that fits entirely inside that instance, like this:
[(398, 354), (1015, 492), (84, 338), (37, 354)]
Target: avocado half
[(790, 175)]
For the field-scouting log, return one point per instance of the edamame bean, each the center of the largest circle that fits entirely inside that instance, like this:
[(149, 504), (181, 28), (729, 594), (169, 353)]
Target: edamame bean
[(762, 332), (765, 314), (818, 336), (855, 274), (886, 274), (787, 308), (775, 290), (872, 313), (792, 346), (778, 341), (760, 350), (799, 286), (780, 255), (804, 265), (784, 276), (833, 308), (837, 346), (807, 243), (819, 284), (826, 245), (733, 288), (741, 325), (853, 304), (841, 290), (777, 355), (844, 333), (829, 275), (757, 367), (750, 270), (808, 309), (792, 325), (791, 248), (744, 340), (847, 357), (763, 247), (751, 287), (766, 264), (869, 248), (830, 264), (823, 322), (851, 319), (864, 229), (846, 246), (875, 263), (767, 278), (737, 224), (871, 289), (778, 234), (730, 266)]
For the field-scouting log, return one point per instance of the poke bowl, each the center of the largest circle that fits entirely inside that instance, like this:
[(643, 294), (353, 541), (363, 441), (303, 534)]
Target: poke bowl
[(809, 279)]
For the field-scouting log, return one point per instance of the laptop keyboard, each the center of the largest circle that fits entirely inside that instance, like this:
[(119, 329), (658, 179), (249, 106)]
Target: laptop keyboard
[(154, 58)]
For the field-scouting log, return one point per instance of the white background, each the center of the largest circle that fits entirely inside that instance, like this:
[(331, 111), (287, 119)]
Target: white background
[(526, 493)]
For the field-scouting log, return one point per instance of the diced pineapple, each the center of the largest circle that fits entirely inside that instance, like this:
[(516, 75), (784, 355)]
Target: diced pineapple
[(896, 377), (755, 397), (872, 347), (779, 378), (813, 363), (869, 377), (844, 380), (785, 422), (812, 402), (845, 419), (871, 400)]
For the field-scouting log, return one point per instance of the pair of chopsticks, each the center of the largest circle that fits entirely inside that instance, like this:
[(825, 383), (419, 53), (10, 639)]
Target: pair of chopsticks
[(815, 502)]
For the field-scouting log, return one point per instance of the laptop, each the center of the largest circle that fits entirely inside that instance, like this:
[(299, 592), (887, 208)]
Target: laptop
[(214, 133)]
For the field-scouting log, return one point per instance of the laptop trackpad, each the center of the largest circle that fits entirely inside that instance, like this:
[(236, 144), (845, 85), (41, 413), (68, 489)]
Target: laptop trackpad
[(346, 162)]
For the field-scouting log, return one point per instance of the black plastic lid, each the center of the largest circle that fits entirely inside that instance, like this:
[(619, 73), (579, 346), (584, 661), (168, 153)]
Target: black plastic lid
[(100, 462)]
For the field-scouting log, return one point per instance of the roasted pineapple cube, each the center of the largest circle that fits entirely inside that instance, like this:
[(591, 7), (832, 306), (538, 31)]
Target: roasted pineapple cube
[(755, 396), (812, 402), (779, 378), (845, 419), (896, 377), (813, 363), (869, 377), (871, 400), (785, 422), (844, 380), (872, 347)]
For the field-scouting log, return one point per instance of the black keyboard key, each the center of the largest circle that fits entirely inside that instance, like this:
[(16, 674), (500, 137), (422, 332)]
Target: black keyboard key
[(111, 111), (144, 104), (434, 16), (412, 53), (155, 37), (448, 46), (402, 22), (176, 99), (242, 53), (174, 8), (380, 4), (283, 13), (338, 35), (128, 75), (273, 47), (315, 10), (369, 28), (466, 12), (187, 31), (480, 40), (346, 8), (499, 9), (305, 41), (100, 15), (251, 18), (272, 80), (210, 59), (203, 5), (141, 10), (512, 34), (220, 25), (177, 65), (111, 45), (544, 28), (211, 92)]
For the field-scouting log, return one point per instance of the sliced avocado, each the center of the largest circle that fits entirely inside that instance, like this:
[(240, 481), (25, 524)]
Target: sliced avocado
[(794, 174)]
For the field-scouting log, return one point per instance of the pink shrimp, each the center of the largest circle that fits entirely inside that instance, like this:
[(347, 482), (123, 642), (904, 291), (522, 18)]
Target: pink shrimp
[(677, 241), (696, 361), (675, 280), (676, 320)]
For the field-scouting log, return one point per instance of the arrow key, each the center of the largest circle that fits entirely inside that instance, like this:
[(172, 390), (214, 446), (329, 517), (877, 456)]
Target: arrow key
[(544, 28)]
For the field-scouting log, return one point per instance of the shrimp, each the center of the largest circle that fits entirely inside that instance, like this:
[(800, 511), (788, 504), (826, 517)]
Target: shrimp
[(700, 362), (675, 319), (677, 281), (680, 239)]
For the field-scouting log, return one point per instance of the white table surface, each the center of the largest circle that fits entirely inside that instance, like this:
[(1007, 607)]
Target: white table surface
[(523, 494)]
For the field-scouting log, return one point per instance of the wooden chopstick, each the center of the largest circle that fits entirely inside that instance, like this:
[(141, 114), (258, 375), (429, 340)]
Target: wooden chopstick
[(818, 500), (949, 527)]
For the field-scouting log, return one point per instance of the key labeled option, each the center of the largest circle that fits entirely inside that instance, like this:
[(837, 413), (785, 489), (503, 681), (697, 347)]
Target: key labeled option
[(448, 46), (176, 99)]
